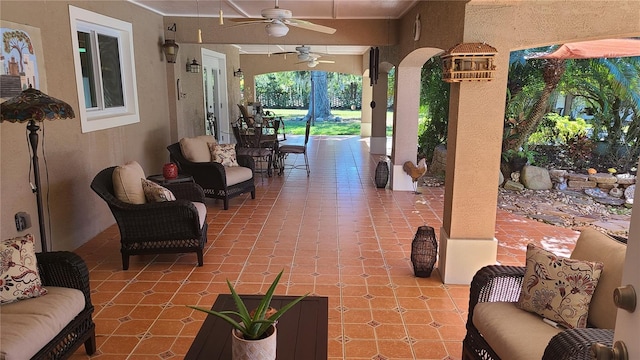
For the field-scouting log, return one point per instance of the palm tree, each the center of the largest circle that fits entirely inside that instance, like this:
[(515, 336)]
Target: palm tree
[(522, 72)]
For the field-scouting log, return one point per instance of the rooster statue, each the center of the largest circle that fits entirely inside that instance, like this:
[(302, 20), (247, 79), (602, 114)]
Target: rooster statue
[(416, 172)]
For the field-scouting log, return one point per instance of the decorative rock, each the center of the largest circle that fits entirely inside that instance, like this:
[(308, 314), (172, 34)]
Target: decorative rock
[(557, 175), (607, 186), (576, 184), (595, 193), (560, 185), (610, 201), (500, 178), (439, 160), (629, 193), (515, 176), (616, 192), (512, 185), (626, 179), (577, 177), (535, 178), (602, 178)]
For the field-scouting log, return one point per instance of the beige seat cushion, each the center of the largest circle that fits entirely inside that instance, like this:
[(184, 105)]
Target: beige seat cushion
[(202, 212), (237, 174), (513, 333), (196, 149), (592, 245), (28, 325), (127, 185)]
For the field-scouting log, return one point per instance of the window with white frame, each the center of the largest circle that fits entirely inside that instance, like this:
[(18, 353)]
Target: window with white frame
[(105, 72)]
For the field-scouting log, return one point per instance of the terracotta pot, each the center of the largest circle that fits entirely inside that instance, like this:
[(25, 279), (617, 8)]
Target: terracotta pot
[(170, 171), (263, 349)]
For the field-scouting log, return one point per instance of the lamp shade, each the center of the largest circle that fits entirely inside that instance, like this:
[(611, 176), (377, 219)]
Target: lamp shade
[(170, 49), (34, 105)]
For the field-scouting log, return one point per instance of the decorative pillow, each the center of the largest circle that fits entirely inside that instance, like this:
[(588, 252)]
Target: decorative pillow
[(126, 183), (195, 149), (558, 288), (19, 276), (224, 154), (156, 193)]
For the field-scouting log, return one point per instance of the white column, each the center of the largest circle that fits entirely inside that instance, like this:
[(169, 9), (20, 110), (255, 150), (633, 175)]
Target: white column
[(405, 125)]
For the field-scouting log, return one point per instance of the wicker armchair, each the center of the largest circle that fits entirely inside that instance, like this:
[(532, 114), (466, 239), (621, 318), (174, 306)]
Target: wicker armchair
[(212, 176), (66, 269), (497, 283), (156, 227)]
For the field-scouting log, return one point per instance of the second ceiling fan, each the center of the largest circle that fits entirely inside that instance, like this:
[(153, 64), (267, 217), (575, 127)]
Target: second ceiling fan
[(277, 20), (305, 55)]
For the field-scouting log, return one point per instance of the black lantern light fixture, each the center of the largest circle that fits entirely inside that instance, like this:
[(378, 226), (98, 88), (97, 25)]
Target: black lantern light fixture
[(238, 73), (32, 106), (170, 47), (193, 67)]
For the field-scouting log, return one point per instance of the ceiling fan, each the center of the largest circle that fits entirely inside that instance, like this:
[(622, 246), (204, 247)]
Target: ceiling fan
[(277, 20), (303, 52), (312, 61)]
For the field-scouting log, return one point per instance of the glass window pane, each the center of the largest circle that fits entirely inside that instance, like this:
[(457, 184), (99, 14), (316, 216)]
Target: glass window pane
[(111, 75), (86, 63)]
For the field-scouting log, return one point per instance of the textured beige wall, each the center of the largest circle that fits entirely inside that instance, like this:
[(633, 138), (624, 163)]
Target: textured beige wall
[(73, 158), (189, 119)]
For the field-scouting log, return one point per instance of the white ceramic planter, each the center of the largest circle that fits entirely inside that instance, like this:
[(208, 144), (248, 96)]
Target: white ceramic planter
[(263, 349)]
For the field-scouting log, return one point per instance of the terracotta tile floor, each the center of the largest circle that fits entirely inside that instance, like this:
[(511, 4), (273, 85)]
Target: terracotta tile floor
[(334, 233)]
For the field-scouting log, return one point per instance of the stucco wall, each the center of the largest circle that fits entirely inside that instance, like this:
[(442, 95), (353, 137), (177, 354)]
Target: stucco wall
[(73, 158)]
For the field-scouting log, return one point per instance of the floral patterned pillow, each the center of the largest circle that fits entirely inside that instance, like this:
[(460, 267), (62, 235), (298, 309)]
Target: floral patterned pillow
[(558, 288), (156, 193), (19, 276), (225, 154)]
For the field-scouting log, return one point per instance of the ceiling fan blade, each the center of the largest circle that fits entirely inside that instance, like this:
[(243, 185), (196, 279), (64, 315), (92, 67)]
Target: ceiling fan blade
[(249, 21), (326, 61), (309, 26)]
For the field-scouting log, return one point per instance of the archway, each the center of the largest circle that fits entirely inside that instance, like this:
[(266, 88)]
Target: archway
[(405, 117)]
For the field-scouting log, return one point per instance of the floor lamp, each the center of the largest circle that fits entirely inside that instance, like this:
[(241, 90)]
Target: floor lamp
[(33, 106)]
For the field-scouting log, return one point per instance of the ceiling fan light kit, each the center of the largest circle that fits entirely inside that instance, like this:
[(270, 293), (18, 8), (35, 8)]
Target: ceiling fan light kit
[(276, 29)]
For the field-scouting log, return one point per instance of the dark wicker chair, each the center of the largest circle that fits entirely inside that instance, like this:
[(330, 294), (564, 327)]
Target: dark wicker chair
[(503, 283), (66, 269), (156, 227), (212, 175)]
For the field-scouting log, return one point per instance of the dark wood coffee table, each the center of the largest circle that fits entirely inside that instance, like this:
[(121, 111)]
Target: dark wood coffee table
[(302, 331)]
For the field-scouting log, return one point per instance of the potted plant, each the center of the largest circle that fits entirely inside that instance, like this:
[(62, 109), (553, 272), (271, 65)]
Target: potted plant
[(254, 334), (517, 159)]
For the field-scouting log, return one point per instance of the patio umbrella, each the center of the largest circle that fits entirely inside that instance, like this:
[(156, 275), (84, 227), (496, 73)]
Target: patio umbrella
[(608, 48)]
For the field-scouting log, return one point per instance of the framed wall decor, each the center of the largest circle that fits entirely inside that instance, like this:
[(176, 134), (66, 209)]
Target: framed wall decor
[(20, 56)]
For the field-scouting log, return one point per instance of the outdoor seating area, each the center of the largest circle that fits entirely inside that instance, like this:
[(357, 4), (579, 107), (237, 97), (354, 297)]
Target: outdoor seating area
[(335, 234)]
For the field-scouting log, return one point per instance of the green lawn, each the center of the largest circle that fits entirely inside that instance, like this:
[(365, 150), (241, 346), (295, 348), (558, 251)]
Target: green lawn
[(349, 125)]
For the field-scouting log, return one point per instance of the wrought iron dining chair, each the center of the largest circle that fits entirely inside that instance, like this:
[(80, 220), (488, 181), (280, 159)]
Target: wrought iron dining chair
[(286, 150)]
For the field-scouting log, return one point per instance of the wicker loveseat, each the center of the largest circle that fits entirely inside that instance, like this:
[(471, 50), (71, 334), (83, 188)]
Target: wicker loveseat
[(498, 329), (49, 326)]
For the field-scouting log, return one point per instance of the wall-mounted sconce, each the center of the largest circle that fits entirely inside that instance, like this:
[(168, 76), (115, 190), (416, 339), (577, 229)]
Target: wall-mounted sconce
[(170, 47), (238, 73), (193, 67)]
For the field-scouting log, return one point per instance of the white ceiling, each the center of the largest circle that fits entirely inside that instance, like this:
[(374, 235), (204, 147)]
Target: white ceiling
[(301, 9)]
